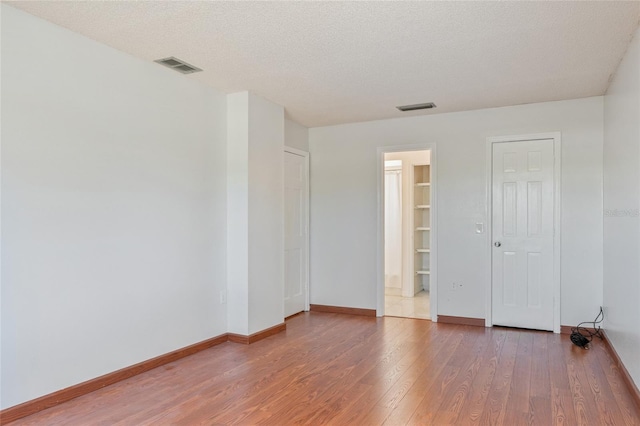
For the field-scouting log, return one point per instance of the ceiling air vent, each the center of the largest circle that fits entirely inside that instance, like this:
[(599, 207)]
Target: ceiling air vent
[(415, 107), (178, 65)]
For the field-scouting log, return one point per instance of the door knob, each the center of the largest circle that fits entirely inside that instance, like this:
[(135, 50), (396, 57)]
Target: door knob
[(497, 244)]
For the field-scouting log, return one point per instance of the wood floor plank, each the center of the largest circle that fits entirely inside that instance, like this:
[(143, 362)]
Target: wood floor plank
[(519, 392), (562, 407), (471, 363), (496, 405), (540, 412), (626, 404), (310, 386), (394, 358), (608, 411), (376, 410), (472, 410), (444, 404), (583, 399), (367, 410), (434, 343), (333, 369), (428, 381)]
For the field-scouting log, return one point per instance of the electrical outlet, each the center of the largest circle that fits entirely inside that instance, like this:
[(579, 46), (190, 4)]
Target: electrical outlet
[(223, 297), (453, 286)]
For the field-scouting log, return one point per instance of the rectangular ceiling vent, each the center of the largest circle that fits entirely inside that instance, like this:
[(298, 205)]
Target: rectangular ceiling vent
[(415, 107), (178, 65)]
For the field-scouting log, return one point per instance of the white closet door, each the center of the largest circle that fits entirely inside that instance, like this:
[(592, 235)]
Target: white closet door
[(296, 233), (523, 234)]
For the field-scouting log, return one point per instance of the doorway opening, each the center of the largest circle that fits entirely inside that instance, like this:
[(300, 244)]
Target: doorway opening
[(408, 250)]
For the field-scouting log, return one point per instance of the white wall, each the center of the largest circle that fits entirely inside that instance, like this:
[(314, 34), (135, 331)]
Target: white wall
[(344, 203), (255, 213), (266, 214), (113, 213), (296, 136), (622, 204), (238, 212)]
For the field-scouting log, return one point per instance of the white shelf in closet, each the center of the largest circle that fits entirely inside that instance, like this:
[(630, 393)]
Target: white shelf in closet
[(422, 223)]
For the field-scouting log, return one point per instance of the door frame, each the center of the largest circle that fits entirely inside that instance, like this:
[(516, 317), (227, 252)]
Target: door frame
[(557, 222), (304, 154), (433, 279)]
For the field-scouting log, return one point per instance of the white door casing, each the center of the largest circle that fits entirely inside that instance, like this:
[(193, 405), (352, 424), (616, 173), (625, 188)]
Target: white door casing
[(523, 216), (296, 237)]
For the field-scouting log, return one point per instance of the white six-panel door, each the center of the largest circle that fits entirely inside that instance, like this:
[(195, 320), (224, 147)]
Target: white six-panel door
[(523, 234), (296, 233)]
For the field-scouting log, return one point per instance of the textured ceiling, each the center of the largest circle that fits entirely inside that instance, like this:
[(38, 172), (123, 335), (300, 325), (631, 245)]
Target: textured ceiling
[(337, 62)]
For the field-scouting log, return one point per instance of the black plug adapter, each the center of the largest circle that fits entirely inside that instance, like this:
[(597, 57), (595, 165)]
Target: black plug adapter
[(579, 340)]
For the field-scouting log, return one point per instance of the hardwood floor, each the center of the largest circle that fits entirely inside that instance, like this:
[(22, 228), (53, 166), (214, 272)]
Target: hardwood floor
[(350, 370)]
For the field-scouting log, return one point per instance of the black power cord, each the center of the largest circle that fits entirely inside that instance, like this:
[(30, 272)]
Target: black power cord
[(581, 336)]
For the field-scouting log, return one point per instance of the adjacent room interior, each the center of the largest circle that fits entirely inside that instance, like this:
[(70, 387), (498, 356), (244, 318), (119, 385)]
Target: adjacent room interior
[(316, 212), (407, 234)]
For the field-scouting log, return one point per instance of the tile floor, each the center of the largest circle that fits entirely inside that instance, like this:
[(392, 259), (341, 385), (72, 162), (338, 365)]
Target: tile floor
[(410, 307)]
